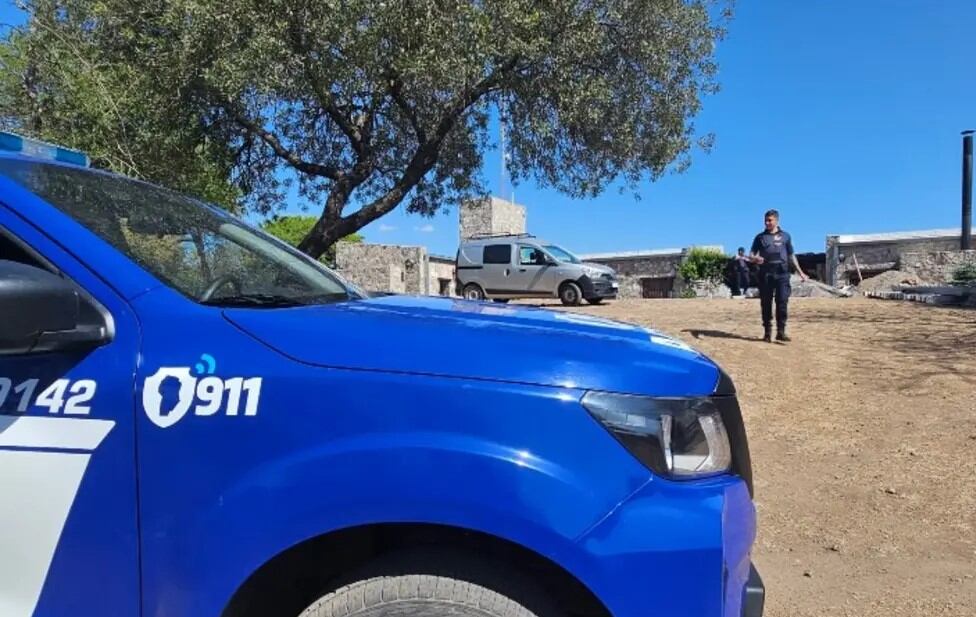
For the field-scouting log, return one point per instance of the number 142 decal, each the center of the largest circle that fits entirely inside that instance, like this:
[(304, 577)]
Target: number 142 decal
[(63, 396)]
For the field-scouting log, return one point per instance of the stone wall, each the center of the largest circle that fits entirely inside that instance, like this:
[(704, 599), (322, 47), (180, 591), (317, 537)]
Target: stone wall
[(936, 267), (631, 269), (441, 270), (382, 267), (881, 252), (490, 216)]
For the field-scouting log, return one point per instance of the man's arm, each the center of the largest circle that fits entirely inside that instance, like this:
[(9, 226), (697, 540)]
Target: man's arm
[(796, 262), (754, 252)]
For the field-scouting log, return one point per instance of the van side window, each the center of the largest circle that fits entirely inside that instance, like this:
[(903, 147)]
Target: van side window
[(497, 254), (531, 256)]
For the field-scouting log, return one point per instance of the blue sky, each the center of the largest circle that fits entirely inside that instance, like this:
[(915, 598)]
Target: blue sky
[(843, 114)]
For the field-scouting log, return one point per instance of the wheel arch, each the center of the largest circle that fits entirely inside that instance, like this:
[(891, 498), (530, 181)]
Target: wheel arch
[(294, 578)]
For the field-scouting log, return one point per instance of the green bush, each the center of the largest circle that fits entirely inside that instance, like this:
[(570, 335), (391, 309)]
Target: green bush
[(703, 264), (965, 275)]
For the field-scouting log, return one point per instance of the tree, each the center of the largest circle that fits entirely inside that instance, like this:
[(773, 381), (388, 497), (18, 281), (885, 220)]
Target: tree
[(367, 105), (65, 83), (294, 228)]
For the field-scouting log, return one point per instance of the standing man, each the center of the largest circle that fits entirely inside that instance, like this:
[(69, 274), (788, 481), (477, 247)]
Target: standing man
[(773, 251), (742, 262)]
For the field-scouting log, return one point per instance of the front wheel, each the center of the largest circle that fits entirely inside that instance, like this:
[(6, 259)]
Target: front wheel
[(426, 588), (570, 294)]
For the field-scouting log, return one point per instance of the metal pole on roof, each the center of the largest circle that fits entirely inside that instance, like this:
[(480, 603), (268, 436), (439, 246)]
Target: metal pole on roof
[(967, 190)]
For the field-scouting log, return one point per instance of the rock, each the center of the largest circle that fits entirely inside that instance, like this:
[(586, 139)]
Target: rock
[(808, 573), (890, 491)]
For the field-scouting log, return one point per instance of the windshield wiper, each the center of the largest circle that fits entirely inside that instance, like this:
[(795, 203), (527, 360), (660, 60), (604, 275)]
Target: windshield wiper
[(254, 300), (266, 300)]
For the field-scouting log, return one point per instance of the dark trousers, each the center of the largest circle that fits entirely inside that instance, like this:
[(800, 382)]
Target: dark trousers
[(742, 280), (774, 281)]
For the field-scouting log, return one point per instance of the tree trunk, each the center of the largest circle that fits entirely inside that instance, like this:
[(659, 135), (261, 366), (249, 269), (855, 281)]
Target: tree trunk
[(326, 230)]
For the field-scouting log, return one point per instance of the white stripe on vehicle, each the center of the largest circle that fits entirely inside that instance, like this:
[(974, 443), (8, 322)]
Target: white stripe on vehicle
[(52, 433), (38, 485)]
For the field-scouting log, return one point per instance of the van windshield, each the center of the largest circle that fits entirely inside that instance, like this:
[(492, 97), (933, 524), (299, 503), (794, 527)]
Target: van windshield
[(562, 254), (194, 248)]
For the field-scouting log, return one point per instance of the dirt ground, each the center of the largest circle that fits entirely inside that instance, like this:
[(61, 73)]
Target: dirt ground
[(863, 438)]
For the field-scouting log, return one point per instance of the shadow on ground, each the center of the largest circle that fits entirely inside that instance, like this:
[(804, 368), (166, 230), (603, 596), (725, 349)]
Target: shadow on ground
[(698, 334)]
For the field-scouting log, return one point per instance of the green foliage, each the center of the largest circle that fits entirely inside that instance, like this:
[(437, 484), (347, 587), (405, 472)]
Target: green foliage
[(294, 228), (965, 275), (364, 105), (703, 264), (688, 293), (65, 83)]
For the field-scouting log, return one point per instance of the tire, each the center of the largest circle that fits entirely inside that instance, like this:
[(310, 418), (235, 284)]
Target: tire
[(424, 584), (472, 291), (570, 294), (595, 301)]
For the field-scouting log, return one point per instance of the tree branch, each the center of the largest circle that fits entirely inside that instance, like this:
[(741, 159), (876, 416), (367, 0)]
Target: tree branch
[(326, 101), (279, 149), (396, 93)]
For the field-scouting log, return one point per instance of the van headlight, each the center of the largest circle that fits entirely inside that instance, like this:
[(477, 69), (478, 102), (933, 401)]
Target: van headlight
[(679, 438)]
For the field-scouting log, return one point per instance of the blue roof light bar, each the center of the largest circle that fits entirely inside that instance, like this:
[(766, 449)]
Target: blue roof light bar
[(42, 150)]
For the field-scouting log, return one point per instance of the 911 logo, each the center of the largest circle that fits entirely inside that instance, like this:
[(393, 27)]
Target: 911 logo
[(172, 391)]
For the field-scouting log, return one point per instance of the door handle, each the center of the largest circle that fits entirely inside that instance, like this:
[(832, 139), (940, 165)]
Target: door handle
[(522, 270)]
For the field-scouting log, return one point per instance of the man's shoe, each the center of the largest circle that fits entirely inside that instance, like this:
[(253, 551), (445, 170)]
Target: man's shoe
[(781, 336), (768, 335)]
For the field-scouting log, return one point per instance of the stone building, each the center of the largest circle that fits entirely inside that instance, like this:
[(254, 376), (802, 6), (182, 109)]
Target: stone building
[(877, 253), (490, 216), (384, 267), (410, 269), (936, 267), (643, 274), (649, 274), (441, 279)]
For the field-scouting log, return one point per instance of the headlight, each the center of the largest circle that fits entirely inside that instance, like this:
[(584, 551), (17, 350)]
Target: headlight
[(676, 438)]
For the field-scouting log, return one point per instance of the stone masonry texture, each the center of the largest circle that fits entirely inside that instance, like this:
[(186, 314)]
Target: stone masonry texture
[(936, 267), (490, 216), (877, 256), (630, 270), (382, 267)]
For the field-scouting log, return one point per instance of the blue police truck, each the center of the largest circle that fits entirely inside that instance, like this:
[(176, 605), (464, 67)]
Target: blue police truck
[(197, 420)]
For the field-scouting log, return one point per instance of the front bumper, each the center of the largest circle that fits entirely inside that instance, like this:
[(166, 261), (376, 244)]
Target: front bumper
[(678, 548), (754, 596), (600, 287)]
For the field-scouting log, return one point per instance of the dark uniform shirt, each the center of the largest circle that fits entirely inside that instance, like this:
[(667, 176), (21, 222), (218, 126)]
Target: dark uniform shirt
[(742, 263), (774, 248)]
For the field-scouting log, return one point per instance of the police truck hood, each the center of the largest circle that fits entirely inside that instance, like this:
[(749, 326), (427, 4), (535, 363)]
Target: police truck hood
[(476, 340)]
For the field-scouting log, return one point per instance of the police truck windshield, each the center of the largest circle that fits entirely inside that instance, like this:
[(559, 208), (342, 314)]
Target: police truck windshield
[(195, 249), (562, 254)]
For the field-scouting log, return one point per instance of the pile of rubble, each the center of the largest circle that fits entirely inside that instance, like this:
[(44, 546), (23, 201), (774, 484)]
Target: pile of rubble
[(815, 289), (888, 281)]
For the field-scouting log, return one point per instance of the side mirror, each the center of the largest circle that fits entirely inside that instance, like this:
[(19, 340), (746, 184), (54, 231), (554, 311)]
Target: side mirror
[(41, 312)]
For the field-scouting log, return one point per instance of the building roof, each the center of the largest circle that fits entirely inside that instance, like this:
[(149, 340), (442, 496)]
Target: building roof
[(897, 236), (640, 254)]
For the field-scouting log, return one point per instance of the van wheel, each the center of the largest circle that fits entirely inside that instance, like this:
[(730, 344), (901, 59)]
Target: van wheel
[(473, 292), (595, 301), (425, 583), (570, 294)]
